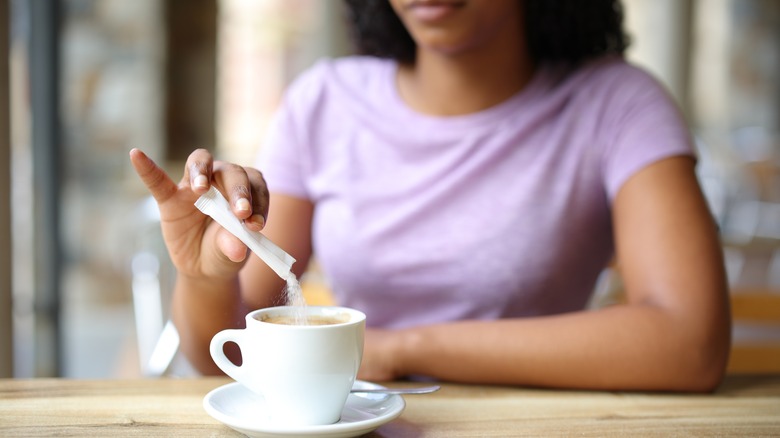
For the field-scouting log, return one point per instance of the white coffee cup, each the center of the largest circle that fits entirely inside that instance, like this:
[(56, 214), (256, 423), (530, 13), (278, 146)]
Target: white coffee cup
[(304, 372)]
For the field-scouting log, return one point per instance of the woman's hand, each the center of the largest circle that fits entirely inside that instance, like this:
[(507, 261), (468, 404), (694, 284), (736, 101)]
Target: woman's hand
[(198, 246)]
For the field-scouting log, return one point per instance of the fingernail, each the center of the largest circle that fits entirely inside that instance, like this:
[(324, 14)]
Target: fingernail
[(201, 181), (258, 219), (243, 204)]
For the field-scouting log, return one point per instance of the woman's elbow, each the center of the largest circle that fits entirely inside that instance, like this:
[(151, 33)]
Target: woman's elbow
[(706, 377), (703, 361)]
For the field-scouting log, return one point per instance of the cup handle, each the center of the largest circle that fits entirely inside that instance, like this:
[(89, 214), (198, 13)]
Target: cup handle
[(218, 353)]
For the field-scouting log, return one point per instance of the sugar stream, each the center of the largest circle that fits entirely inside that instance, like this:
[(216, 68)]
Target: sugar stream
[(294, 298)]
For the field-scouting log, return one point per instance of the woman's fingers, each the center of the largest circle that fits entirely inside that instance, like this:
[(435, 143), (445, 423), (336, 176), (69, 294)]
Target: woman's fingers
[(156, 180), (235, 185), (231, 246), (259, 199), (244, 188), (198, 171)]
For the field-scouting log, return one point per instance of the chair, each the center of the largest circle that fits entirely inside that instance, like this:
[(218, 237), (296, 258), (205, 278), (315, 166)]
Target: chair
[(152, 279), (756, 343)]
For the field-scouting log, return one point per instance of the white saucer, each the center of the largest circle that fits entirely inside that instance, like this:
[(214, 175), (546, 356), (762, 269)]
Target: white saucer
[(243, 410)]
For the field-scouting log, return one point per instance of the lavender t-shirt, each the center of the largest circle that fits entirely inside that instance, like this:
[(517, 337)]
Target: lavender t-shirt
[(501, 213)]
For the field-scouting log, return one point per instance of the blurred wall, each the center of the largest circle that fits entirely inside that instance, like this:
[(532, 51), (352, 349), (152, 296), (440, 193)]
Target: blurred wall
[(262, 46), (113, 85), (190, 28), (660, 41)]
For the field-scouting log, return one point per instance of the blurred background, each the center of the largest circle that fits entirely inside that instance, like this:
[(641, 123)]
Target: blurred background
[(83, 274)]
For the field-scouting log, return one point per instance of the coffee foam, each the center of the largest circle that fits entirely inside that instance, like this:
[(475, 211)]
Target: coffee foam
[(311, 320)]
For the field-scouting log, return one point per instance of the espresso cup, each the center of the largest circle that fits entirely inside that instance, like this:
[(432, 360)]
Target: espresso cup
[(304, 372)]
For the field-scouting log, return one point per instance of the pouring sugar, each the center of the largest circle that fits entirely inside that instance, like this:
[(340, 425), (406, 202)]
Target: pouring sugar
[(213, 204), (294, 298)]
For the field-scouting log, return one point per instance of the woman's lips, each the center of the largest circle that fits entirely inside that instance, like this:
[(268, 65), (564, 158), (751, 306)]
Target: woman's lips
[(431, 11)]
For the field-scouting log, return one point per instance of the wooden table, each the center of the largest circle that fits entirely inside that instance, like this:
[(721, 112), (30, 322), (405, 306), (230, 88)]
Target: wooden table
[(743, 406)]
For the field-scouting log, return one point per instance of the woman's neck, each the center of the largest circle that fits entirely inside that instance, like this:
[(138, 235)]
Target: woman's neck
[(455, 84)]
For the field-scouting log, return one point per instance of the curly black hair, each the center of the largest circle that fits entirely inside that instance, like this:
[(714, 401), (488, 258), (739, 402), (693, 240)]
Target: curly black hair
[(557, 31)]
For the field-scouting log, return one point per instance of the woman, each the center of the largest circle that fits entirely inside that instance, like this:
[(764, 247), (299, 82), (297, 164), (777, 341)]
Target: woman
[(464, 184)]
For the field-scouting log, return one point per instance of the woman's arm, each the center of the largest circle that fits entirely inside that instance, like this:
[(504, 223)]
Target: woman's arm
[(209, 296), (673, 332), (202, 309)]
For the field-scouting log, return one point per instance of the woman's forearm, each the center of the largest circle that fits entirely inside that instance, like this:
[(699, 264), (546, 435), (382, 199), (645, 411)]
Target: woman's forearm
[(631, 347), (201, 308)]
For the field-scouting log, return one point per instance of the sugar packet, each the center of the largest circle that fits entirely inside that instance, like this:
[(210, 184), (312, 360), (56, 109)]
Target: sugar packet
[(213, 204)]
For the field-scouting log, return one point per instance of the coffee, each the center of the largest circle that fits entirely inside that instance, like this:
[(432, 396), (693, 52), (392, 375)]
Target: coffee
[(309, 319)]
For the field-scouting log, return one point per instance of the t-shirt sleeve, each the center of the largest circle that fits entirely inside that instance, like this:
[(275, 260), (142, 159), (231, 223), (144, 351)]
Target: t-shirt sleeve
[(284, 158), (643, 125), (281, 156)]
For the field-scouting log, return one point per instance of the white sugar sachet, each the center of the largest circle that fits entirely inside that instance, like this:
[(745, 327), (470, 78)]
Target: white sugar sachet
[(215, 205)]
